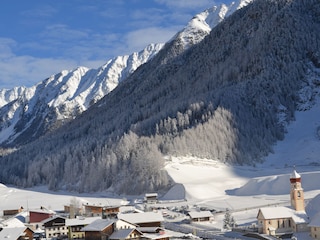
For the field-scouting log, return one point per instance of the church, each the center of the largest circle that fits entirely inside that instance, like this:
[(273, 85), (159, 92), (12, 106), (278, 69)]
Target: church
[(279, 221)]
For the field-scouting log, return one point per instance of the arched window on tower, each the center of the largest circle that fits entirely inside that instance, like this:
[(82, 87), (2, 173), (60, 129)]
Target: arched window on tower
[(298, 194)]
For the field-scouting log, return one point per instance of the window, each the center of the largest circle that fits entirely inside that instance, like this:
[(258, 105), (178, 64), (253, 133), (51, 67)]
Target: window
[(289, 222), (299, 194)]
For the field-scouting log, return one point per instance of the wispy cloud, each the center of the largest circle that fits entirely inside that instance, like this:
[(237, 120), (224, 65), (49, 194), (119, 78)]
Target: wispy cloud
[(187, 4), (139, 39), (25, 70), (42, 11)]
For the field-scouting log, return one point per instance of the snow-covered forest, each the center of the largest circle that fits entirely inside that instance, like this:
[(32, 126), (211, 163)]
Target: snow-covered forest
[(227, 98)]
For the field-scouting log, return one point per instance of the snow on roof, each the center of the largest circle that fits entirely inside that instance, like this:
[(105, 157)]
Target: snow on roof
[(12, 223), (284, 212), (149, 229), (315, 221), (43, 210), (80, 221), (162, 235), (201, 214), (141, 217), (151, 195), (12, 232), (97, 225), (295, 174), (122, 233)]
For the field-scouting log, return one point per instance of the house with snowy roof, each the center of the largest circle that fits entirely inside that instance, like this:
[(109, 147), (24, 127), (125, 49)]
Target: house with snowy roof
[(278, 221), (55, 226), (75, 226), (126, 234), (151, 198), (99, 229), (200, 216), (13, 228), (315, 226), (15, 233), (38, 215), (144, 219)]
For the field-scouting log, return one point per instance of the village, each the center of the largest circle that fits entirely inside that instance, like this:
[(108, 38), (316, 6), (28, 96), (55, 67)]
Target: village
[(153, 218)]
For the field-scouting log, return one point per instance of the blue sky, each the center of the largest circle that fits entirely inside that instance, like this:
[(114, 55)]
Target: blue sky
[(39, 38)]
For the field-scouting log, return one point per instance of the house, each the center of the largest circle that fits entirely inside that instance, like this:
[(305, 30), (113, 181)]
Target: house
[(144, 219), (155, 233), (111, 211), (151, 198), (200, 216), (277, 221), (93, 210), (13, 228), (100, 229), (121, 224), (314, 226), (55, 227), (11, 212), (16, 233), (104, 211), (75, 226), (126, 234), (38, 215)]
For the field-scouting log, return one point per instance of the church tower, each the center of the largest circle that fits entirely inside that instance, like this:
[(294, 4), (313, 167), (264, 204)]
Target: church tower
[(296, 193)]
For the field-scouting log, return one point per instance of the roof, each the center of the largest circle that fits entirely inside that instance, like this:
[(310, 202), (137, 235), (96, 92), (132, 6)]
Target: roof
[(284, 212), (97, 225), (151, 195), (294, 174), (80, 221), (52, 218), (43, 211), (12, 233), (200, 214), (122, 233), (163, 234), (315, 221), (12, 223), (149, 229), (143, 217)]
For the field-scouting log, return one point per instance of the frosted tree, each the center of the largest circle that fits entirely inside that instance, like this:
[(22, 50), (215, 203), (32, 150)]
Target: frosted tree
[(228, 221)]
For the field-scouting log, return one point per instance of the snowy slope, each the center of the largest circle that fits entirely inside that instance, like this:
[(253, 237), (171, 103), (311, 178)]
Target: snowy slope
[(201, 24)]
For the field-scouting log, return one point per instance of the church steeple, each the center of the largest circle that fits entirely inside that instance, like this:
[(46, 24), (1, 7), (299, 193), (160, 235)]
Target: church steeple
[(296, 193)]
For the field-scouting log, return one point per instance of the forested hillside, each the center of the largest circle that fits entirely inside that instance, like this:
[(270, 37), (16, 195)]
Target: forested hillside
[(226, 98)]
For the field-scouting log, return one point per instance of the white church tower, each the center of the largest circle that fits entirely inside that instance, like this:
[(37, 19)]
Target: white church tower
[(296, 193)]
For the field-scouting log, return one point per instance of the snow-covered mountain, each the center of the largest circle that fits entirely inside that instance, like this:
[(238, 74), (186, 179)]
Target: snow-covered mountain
[(27, 113), (201, 24)]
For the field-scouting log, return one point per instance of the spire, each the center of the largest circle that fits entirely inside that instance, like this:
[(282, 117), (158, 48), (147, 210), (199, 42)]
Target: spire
[(295, 175)]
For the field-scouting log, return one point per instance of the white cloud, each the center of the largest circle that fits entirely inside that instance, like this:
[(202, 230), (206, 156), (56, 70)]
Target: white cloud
[(139, 39), (187, 4), (26, 70)]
